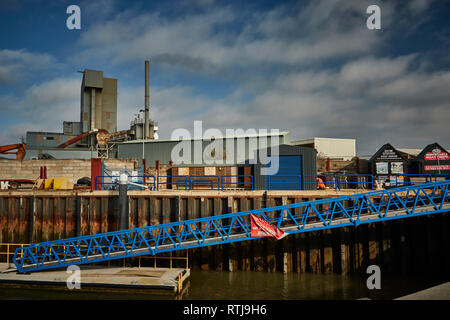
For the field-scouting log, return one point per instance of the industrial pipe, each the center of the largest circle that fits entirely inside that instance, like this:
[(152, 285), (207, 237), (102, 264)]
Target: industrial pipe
[(123, 202), (147, 102)]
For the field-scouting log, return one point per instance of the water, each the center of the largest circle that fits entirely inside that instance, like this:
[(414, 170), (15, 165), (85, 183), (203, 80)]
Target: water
[(243, 285)]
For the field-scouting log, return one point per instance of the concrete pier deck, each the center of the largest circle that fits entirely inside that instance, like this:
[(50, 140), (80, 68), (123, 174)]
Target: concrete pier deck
[(114, 277), (440, 292)]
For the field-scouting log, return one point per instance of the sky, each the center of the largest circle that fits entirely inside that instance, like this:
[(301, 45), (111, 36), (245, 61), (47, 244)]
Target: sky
[(312, 68)]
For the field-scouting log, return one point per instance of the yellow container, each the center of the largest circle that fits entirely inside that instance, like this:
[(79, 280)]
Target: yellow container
[(63, 183), (48, 184)]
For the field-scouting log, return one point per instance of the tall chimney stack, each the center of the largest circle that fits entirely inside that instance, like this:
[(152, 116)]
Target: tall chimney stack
[(147, 104)]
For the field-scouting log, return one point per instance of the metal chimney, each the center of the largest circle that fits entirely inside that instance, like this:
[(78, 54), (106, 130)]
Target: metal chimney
[(147, 104)]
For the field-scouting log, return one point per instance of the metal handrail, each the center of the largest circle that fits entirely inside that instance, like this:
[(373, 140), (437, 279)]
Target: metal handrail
[(222, 182), (274, 177), (185, 182), (144, 183), (369, 207), (9, 253), (355, 182), (192, 182)]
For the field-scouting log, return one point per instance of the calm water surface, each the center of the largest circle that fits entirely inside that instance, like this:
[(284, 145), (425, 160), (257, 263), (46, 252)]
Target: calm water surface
[(243, 285)]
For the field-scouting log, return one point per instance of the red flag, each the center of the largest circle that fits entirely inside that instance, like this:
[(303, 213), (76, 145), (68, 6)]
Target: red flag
[(263, 228)]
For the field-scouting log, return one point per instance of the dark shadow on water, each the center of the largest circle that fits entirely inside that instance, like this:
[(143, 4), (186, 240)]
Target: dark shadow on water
[(262, 285), (242, 285)]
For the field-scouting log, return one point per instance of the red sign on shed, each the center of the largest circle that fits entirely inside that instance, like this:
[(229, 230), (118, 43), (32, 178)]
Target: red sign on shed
[(437, 154)]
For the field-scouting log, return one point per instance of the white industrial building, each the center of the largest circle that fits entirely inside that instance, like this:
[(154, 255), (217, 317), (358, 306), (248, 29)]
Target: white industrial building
[(336, 149)]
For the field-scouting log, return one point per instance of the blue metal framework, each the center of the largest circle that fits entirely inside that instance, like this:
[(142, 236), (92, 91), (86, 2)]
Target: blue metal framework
[(408, 179), (223, 183), (180, 182), (430, 198), (365, 180), (111, 174), (334, 181), (211, 181), (148, 181)]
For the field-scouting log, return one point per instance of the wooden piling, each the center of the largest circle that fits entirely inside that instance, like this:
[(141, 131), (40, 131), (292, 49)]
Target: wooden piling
[(232, 247), (373, 245), (345, 250), (245, 251), (271, 244), (327, 245), (258, 247), (37, 218)]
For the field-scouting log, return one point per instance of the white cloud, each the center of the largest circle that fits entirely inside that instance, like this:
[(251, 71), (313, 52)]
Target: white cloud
[(42, 108), (401, 105), (16, 65), (313, 69), (226, 37)]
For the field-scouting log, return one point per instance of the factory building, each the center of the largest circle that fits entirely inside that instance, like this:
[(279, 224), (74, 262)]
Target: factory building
[(98, 110), (295, 167), (98, 102), (43, 145), (332, 148), (200, 154), (96, 136)]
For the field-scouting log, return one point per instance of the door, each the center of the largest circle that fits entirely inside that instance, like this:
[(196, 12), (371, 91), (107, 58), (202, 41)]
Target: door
[(289, 175)]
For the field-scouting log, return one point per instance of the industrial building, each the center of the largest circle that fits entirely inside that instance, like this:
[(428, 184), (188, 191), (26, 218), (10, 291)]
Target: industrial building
[(335, 149), (161, 150), (98, 102), (96, 136), (43, 145), (98, 110)]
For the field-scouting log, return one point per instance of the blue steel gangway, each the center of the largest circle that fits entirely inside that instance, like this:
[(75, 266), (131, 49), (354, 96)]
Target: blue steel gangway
[(350, 210)]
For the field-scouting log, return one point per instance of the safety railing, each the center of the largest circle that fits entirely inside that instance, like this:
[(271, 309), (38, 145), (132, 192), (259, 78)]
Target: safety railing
[(100, 182), (174, 181), (148, 181), (244, 183), (330, 181), (9, 249), (287, 180), (181, 181), (211, 181), (275, 182), (355, 181), (409, 179), (322, 181)]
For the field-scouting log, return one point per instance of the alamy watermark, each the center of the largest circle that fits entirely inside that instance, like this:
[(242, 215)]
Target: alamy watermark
[(74, 280), (74, 20), (373, 22), (236, 146), (374, 280)]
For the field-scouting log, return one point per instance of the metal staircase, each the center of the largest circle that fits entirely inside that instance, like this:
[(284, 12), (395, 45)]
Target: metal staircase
[(398, 203)]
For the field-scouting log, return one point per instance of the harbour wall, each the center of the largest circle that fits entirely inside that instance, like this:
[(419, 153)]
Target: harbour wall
[(415, 245)]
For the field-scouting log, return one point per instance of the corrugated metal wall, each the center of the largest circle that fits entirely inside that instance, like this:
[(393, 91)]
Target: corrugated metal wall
[(309, 158), (161, 150)]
